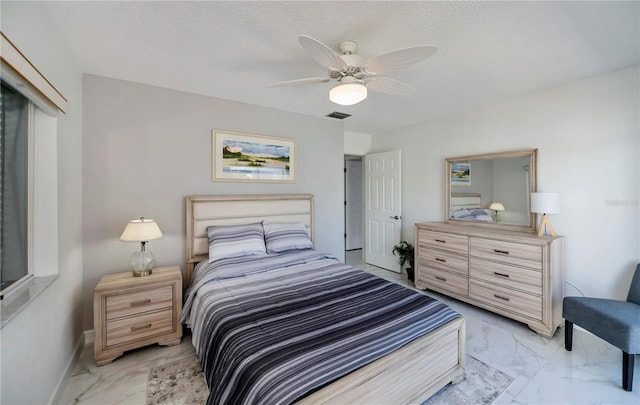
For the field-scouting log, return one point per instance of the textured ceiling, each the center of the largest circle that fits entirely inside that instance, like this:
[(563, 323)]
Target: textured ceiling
[(488, 51)]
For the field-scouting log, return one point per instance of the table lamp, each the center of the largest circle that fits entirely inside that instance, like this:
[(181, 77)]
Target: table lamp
[(141, 230), (545, 203), (496, 206)]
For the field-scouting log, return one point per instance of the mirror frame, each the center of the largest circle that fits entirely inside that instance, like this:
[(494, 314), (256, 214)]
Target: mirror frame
[(533, 157)]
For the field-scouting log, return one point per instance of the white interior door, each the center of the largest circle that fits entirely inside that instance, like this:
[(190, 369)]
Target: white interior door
[(382, 208), (353, 206)]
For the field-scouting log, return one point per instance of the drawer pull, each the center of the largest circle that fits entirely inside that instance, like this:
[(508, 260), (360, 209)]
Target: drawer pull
[(501, 274), (441, 260), (441, 241), (501, 297), (140, 302), (502, 252), (135, 328), (441, 278)]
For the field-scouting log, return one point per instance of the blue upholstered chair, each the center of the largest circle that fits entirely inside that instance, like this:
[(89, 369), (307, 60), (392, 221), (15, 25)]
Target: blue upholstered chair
[(617, 322)]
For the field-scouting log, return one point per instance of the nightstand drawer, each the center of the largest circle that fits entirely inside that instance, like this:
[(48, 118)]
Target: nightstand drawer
[(510, 300), (139, 302), (139, 327)]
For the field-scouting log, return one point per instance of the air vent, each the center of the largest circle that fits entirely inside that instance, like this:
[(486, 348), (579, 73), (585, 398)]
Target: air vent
[(338, 115)]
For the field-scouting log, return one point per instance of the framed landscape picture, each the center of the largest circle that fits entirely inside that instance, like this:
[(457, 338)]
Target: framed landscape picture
[(461, 173), (248, 157)]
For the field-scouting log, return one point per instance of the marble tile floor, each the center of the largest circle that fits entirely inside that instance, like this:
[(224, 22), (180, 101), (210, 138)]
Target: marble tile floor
[(543, 371)]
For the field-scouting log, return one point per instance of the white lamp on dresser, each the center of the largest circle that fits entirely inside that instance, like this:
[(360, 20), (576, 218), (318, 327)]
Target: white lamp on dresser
[(545, 203), (496, 206)]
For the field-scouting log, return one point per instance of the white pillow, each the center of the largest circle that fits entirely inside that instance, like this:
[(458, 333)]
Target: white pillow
[(235, 241), (280, 237)]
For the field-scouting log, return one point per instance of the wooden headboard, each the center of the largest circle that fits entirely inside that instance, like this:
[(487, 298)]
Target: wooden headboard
[(465, 200), (204, 211)]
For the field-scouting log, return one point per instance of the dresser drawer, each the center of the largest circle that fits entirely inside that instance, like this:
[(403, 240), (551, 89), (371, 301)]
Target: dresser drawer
[(139, 327), (139, 302), (442, 240), (440, 279), (507, 252), (515, 301), (511, 277), (443, 260)]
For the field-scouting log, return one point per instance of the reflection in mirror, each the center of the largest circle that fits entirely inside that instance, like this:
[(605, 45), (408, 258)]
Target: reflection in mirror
[(492, 190)]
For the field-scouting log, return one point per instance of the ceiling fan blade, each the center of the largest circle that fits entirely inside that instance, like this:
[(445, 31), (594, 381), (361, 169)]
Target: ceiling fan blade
[(309, 80), (321, 53), (389, 86), (398, 59)]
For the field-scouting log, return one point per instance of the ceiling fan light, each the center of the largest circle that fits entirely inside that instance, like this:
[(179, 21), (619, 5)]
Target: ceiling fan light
[(348, 94)]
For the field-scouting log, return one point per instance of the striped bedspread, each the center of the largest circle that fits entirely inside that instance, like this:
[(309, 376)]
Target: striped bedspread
[(272, 329)]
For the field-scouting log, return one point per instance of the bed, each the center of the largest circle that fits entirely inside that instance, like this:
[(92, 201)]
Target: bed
[(324, 348), (468, 206)]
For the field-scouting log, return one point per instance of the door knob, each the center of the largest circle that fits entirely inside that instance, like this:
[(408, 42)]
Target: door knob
[(395, 217)]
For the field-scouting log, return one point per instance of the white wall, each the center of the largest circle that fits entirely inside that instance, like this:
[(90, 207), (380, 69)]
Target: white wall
[(588, 139), (146, 148), (356, 143), (38, 344)]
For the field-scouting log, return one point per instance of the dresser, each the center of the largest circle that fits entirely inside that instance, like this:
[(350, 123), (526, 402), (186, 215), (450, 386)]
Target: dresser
[(515, 274), (131, 312)]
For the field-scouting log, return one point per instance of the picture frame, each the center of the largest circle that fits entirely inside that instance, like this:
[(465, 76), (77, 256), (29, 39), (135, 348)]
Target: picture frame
[(246, 157), (461, 174)]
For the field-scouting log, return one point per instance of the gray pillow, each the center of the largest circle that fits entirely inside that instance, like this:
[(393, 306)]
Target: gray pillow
[(235, 240), (280, 237)]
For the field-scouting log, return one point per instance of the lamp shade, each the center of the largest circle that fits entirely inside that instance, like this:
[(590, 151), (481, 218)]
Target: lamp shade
[(545, 203), (496, 206), (348, 94), (141, 230)]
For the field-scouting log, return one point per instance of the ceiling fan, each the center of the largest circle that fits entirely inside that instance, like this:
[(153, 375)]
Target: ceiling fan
[(357, 75)]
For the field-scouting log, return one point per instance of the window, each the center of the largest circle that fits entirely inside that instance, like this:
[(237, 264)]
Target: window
[(15, 119), (29, 105)]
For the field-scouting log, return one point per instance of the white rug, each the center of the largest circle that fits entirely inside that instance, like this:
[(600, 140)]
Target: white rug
[(182, 382), (178, 382), (482, 384)]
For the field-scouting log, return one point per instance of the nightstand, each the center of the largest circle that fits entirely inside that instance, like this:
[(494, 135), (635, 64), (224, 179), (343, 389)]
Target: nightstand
[(131, 312)]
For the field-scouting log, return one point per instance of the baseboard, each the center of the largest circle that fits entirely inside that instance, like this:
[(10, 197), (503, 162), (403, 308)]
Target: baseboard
[(88, 337), (56, 395)]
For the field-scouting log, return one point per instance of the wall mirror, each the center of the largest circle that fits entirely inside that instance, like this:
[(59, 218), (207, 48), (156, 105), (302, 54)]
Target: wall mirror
[(491, 190)]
